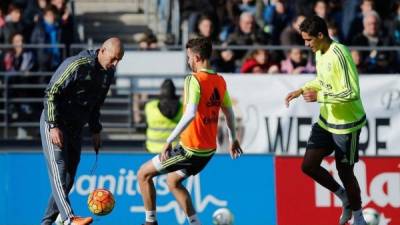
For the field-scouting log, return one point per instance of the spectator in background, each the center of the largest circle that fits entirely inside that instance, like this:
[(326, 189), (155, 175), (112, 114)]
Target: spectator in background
[(204, 28), (13, 23), (147, 40), (321, 9), (246, 34), (276, 17), (65, 21), (235, 8), (193, 9), (333, 30), (357, 26), (21, 60), (393, 25), (291, 34), (224, 61), (356, 55), (376, 61), (2, 20), (297, 62), (162, 116), (2, 24), (47, 31), (18, 58), (33, 13), (259, 62)]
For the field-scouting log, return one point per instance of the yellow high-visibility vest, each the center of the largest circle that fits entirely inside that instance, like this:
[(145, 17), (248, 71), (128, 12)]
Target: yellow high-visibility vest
[(159, 127)]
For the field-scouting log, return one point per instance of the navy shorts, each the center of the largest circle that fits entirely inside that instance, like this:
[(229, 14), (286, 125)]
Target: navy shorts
[(184, 162), (344, 145)]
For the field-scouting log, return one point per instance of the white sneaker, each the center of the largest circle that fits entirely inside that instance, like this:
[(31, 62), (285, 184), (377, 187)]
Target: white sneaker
[(346, 214)]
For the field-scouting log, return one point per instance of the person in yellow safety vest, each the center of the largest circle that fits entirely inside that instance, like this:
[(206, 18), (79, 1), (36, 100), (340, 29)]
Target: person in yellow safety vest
[(162, 116)]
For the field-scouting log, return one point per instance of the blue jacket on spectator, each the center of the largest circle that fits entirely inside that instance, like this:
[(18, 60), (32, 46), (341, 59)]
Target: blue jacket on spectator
[(50, 57)]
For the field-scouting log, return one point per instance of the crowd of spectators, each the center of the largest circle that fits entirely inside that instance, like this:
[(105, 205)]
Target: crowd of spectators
[(356, 23), (44, 23)]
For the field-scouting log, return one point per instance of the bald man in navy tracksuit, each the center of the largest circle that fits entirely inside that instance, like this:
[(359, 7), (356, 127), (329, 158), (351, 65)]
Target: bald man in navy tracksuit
[(73, 99)]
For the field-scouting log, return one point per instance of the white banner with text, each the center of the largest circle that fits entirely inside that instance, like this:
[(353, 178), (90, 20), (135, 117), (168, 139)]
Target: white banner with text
[(264, 123)]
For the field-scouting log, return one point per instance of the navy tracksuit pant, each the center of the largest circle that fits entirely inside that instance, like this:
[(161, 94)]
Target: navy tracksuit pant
[(62, 165)]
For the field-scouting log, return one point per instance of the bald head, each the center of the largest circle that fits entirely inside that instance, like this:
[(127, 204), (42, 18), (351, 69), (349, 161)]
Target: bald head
[(113, 43), (110, 53)]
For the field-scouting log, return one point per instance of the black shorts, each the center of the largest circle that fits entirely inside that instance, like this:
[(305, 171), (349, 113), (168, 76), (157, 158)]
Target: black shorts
[(344, 145), (184, 162)]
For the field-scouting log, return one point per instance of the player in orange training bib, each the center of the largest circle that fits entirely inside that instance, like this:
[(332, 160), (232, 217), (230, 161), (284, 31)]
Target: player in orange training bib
[(205, 93)]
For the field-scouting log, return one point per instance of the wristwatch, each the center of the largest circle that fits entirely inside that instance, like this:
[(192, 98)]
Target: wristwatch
[(52, 125)]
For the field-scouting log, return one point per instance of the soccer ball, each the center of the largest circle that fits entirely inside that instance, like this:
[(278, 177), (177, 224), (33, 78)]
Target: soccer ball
[(101, 202), (371, 216), (222, 216)]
